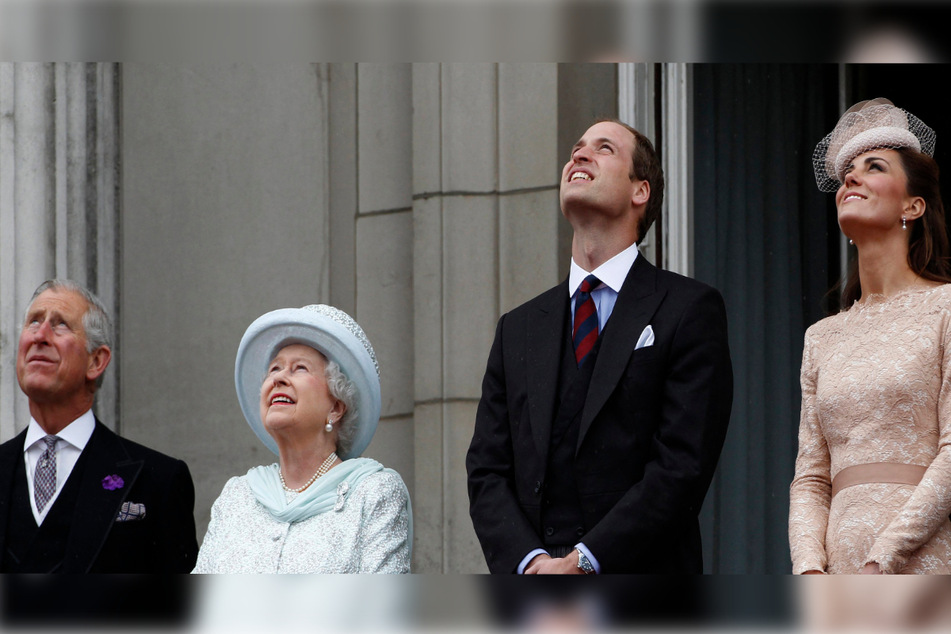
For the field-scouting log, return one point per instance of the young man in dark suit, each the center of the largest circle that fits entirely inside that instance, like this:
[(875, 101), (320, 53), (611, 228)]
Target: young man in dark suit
[(606, 399), (74, 496)]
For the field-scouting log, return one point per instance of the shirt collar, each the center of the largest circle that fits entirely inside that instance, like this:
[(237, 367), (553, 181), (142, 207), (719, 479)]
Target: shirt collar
[(77, 433), (612, 273)]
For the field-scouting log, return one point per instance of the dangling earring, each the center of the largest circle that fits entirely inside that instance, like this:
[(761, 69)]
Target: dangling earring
[(329, 427), (904, 224)]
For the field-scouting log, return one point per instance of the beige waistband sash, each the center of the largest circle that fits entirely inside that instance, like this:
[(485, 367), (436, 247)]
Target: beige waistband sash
[(890, 472)]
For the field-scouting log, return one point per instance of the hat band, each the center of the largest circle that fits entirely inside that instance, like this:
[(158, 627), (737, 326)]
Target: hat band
[(884, 137)]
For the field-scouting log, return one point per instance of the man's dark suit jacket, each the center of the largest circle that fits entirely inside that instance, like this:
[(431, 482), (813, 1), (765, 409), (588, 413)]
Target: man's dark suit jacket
[(164, 541), (652, 427)]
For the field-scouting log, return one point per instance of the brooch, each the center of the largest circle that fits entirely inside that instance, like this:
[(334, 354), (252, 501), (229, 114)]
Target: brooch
[(342, 489)]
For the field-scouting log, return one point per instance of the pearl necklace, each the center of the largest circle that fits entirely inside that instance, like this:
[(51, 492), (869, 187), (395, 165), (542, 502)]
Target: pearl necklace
[(324, 468)]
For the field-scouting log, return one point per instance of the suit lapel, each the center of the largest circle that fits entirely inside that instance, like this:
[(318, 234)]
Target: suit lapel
[(8, 462), (636, 304), (544, 339), (96, 506)]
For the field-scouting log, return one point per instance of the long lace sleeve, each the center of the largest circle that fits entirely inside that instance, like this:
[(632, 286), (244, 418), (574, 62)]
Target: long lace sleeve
[(928, 507), (811, 489)]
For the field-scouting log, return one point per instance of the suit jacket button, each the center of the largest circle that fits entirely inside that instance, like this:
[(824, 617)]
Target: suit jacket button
[(580, 531), (538, 487), (549, 531)]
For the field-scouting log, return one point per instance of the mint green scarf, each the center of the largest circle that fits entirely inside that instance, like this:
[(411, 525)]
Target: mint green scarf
[(320, 497)]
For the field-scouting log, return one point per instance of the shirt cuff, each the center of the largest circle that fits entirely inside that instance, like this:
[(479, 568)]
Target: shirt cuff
[(528, 558), (587, 553)]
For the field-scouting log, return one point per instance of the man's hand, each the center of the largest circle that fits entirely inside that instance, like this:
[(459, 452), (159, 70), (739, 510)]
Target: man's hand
[(544, 565)]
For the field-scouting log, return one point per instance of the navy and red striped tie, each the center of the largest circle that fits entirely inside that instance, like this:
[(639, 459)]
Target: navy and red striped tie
[(584, 334)]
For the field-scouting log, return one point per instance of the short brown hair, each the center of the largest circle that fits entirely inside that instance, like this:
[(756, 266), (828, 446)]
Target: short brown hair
[(645, 166)]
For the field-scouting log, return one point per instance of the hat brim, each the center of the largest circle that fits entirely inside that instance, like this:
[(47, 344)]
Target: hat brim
[(272, 331), (872, 139)]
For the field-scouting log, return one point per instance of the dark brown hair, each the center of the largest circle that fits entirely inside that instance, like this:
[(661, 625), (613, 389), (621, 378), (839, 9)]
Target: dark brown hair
[(645, 166), (928, 247)]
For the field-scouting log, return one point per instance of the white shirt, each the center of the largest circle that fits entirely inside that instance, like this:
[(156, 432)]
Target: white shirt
[(612, 275), (71, 441)]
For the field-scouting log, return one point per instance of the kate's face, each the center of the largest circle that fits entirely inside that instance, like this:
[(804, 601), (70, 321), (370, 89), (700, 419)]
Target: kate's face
[(874, 190), (294, 395)]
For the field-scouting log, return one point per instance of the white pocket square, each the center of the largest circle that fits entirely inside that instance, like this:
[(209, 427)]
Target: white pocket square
[(646, 339)]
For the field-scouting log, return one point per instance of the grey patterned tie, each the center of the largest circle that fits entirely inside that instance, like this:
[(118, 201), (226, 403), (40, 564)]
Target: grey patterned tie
[(44, 477)]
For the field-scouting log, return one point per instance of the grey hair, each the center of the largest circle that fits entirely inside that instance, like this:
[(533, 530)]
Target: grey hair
[(97, 326), (342, 389)]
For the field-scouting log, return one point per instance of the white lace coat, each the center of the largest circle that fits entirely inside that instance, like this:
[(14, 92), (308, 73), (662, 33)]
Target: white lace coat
[(367, 531)]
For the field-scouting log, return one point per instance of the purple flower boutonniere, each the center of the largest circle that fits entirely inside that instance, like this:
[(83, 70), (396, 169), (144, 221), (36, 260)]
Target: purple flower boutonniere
[(112, 482)]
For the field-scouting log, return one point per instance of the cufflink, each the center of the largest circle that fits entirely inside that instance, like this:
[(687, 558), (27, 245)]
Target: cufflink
[(584, 564)]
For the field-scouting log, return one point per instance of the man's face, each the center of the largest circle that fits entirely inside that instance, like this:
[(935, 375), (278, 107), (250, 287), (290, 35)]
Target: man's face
[(599, 171), (52, 362)]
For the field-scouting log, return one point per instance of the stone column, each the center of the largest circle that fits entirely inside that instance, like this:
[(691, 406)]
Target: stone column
[(58, 202), (383, 232), (486, 216)]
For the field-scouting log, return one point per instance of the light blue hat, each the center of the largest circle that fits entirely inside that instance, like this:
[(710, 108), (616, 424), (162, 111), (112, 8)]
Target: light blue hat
[(331, 332)]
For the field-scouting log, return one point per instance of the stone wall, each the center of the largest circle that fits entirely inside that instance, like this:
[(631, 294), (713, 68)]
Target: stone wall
[(422, 199), (58, 203)]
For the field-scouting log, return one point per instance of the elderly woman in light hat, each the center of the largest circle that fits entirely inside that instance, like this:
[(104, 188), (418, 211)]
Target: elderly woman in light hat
[(872, 489), (308, 384)]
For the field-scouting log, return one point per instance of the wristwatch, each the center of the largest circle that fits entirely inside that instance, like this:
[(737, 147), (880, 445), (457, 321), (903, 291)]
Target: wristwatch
[(585, 564)]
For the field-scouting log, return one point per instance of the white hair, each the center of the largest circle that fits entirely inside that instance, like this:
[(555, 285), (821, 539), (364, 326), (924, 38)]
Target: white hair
[(96, 323), (342, 389)]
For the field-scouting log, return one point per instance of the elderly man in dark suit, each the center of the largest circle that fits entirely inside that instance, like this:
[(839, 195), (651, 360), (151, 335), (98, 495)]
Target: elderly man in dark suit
[(74, 496), (606, 399)]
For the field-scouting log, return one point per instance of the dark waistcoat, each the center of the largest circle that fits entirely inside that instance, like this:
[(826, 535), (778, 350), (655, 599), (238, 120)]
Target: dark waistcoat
[(32, 548), (562, 518)]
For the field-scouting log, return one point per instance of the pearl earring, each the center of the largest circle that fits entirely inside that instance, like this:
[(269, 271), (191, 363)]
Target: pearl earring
[(329, 427), (904, 224)]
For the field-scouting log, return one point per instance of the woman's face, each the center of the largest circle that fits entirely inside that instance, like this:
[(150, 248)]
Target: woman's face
[(294, 395), (874, 191)]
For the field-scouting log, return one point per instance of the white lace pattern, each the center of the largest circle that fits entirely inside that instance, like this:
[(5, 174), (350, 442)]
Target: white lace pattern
[(367, 531), (876, 387)]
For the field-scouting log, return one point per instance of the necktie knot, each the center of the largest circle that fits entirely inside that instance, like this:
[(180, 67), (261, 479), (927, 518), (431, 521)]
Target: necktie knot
[(589, 283)]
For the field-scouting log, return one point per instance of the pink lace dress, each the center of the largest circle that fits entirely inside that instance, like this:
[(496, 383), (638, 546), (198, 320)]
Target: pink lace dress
[(876, 387)]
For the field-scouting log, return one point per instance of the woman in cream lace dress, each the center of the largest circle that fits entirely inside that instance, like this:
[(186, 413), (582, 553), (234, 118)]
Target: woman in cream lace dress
[(872, 489)]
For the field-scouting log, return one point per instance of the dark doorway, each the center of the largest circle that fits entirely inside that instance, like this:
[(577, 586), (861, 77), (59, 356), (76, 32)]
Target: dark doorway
[(766, 238)]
